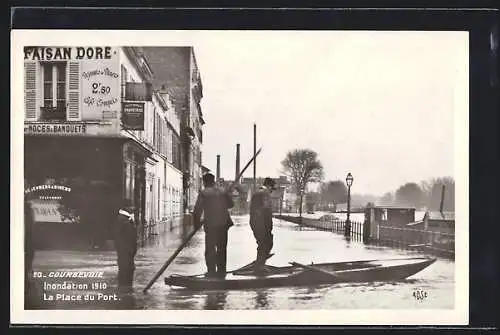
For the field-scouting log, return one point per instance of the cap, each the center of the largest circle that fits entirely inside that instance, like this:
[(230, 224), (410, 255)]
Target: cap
[(269, 182)]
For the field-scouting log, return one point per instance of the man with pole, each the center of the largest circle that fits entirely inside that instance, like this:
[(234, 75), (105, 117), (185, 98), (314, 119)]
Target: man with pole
[(261, 222), (214, 203), (179, 249)]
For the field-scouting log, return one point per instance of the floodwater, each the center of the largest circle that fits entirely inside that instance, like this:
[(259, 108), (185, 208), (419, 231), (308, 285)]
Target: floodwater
[(291, 243)]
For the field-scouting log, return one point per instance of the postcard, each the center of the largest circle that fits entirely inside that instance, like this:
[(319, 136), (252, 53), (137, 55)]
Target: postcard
[(210, 177)]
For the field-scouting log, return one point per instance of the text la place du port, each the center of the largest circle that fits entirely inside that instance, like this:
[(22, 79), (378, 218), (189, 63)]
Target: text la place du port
[(80, 297)]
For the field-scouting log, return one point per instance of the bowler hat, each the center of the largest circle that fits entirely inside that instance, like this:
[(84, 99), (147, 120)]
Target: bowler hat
[(208, 179)]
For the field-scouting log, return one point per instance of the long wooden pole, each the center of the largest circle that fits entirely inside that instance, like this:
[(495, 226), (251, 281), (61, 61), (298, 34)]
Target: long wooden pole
[(167, 263), (179, 249)]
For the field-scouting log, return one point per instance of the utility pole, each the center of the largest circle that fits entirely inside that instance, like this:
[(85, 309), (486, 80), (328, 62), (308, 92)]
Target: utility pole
[(217, 175), (255, 159), (441, 205), (237, 172)]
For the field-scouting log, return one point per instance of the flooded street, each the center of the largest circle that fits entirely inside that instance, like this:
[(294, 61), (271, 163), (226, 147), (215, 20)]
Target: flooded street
[(291, 243)]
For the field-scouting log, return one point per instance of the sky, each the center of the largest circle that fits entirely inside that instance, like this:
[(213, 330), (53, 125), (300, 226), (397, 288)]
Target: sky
[(377, 104)]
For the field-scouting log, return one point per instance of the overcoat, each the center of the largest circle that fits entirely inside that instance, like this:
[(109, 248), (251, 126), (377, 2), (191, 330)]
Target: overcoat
[(213, 203)]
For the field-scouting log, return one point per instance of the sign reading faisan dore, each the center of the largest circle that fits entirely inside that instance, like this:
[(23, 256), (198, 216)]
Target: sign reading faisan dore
[(67, 53)]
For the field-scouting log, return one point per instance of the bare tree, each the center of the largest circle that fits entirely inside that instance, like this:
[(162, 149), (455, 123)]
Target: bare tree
[(410, 194), (302, 167), (333, 192), (387, 199), (433, 191)]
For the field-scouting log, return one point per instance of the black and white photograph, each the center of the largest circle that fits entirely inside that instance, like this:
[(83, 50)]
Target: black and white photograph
[(226, 174)]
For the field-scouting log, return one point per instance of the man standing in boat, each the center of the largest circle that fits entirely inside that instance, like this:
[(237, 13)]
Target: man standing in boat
[(214, 203), (261, 222)]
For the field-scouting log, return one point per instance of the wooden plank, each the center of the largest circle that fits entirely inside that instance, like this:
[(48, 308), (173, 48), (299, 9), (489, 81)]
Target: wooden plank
[(331, 274)]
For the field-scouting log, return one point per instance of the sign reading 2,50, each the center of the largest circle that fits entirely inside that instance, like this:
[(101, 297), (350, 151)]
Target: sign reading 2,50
[(98, 88)]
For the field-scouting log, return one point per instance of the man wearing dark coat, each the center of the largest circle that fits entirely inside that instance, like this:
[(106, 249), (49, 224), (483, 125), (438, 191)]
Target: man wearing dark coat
[(125, 237), (214, 204), (261, 221), (29, 252)]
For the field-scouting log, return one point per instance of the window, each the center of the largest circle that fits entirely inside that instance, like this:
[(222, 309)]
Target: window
[(54, 90), (123, 79), (176, 161), (168, 142), (159, 198)]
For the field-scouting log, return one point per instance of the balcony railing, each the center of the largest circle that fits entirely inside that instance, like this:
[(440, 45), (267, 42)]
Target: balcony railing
[(138, 91), (53, 113)]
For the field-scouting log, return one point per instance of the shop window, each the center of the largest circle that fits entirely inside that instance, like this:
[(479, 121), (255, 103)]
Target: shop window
[(128, 177), (129, 180), (54, 91)]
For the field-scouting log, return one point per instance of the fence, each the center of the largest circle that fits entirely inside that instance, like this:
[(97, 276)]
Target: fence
[(435, 242), (328, 224), (427, 241)]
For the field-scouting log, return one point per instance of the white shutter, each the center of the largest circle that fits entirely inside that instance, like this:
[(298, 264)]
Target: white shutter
[(30, 95), (74, 92)]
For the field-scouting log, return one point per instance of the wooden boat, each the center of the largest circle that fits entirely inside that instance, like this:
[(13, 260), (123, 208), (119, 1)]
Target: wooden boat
[(307, 275)]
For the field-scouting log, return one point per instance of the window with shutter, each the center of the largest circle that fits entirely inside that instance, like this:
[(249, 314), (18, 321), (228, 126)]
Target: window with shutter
[(53, 91), (30, 90), (74, 91)]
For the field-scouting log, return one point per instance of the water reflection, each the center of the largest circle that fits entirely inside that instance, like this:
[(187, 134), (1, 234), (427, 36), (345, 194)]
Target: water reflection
[(127, 301), (215, 300)]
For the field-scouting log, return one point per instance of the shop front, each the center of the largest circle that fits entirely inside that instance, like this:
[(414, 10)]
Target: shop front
[(75, 186)]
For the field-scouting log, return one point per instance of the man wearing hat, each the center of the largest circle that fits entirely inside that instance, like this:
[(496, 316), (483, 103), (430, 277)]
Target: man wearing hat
[(213, 203), (125, 236), (261, 221)]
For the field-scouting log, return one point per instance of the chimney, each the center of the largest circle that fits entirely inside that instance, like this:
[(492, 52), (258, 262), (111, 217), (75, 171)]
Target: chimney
[(442, 200), (237, 172), (217, 176)]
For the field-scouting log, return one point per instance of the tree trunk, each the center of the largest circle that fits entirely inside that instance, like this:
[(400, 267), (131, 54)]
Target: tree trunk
[(300, 208)]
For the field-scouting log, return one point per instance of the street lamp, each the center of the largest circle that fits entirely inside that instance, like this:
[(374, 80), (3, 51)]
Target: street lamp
[(347, 231)]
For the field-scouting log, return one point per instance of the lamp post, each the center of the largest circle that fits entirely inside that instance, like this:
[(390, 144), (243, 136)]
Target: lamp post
[(282, 192), (347, 231)]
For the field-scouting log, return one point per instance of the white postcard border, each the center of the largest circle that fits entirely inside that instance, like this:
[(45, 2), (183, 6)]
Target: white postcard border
[(458, 316)]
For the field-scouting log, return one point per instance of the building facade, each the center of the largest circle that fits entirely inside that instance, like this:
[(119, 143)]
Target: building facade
[(176, 71), (96, 133)]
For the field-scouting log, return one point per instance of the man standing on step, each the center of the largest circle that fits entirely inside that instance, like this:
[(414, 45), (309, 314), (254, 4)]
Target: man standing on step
[(261, 222), (125, 236), (214, 204)]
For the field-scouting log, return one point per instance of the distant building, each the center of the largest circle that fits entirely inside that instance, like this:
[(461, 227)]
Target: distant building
[(279, 197), (443, 222), (394, 216), (204, 170)]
